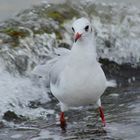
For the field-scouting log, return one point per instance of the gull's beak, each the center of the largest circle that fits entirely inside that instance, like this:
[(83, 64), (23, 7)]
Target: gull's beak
[(77, 36)]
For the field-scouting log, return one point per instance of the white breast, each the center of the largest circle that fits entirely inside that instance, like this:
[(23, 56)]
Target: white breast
[(81, 83)]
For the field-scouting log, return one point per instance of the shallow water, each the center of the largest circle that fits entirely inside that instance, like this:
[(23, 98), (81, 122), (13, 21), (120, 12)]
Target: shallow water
[(122, 116)]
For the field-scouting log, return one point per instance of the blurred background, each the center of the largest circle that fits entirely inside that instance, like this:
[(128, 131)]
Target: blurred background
[(10, 8), (32, 32)]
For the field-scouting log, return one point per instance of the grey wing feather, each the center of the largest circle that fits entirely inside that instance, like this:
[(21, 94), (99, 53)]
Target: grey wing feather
[(50, 71), (56, 69)]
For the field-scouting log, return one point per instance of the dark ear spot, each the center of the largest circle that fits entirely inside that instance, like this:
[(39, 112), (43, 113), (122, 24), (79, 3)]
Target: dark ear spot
[(73, 29), (87, 28)]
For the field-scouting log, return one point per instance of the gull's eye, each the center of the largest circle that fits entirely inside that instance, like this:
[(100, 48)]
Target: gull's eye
[(86, 28), (73, 29)]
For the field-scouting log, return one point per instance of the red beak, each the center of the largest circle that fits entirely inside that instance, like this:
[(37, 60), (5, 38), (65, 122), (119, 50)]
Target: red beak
[(77, 36)]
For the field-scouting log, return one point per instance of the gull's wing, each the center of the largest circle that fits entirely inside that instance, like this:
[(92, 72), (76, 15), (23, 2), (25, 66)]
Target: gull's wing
[(57, 68), (50, 71)]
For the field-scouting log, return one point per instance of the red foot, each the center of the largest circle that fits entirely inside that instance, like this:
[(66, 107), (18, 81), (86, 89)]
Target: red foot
[(102, 116), (62, 121)]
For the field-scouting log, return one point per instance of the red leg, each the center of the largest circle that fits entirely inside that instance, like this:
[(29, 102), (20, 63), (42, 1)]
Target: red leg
[(102, 115), (62, 121)]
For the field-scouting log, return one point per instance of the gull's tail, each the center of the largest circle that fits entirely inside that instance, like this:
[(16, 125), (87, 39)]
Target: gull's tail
[(111, 83)]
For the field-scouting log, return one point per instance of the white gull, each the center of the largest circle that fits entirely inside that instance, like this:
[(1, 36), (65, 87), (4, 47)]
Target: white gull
[(76, 77)]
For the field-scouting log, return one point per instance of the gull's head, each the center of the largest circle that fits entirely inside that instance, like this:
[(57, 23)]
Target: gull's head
[(81, 29)]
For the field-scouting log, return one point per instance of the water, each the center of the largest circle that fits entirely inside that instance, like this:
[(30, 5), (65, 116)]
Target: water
[(122, 115), (28, 110), (10, 8)]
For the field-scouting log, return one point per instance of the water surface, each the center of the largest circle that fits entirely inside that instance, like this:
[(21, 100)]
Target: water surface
[(9, 8), (122, 116)]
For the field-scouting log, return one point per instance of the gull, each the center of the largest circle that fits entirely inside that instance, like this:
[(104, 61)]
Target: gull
[(76, 77)]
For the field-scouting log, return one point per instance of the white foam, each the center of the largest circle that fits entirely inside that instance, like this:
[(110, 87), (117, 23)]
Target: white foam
[(119, 24), (16, 94), (17, 136)]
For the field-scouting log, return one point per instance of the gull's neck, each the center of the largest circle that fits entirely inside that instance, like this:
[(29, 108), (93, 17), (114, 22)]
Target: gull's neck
[(86, 47)]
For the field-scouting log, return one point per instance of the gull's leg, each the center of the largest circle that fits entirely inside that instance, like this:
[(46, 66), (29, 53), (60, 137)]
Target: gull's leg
[(63, 123), (101, 112), (102, 116)]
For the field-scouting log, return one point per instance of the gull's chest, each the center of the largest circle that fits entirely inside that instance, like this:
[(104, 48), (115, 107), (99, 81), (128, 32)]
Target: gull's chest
[(82, 85), (78, 74), (82, 76)]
